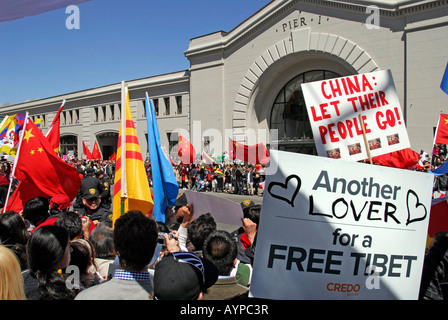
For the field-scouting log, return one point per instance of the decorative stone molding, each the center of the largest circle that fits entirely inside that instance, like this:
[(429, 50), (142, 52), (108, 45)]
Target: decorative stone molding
[(300, 41)]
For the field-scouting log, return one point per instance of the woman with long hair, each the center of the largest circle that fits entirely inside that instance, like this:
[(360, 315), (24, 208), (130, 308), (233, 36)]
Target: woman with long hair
[(49, 251)]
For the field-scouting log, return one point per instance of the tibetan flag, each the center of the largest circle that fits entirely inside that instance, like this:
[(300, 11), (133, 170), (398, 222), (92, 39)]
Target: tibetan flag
[(131, 188), (86, 151), (165, 186), (256, 154), (38, 166), (9, 133), (186, 152), (96, 153), (444, 83), (442, 130), (54, 132), (206, 158)]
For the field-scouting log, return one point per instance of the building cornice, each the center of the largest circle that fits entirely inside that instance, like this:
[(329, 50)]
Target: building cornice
[(133, 85), (219, 42)]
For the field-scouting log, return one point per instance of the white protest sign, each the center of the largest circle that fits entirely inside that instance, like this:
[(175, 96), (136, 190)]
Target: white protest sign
[(221, 209), (334, 229), (335, 106)]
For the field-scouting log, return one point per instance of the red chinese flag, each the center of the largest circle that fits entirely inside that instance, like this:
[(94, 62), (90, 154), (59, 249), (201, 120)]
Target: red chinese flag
[(186, 152), (24, 192), (256, 154), (96, 153), (438, 218), (39, 166), (86, 151), (442, 130), (402, 159), (54, 132)]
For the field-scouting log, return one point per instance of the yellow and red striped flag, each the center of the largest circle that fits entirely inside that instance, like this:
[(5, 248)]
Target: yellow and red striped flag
[(131, 187)]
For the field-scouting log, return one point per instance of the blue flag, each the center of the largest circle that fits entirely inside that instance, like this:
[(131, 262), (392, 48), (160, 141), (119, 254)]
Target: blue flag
[(444, 84), (443, 169), (165, 186)]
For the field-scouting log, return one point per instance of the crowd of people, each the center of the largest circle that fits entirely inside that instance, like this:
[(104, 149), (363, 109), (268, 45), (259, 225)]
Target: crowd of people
[(67, 249)]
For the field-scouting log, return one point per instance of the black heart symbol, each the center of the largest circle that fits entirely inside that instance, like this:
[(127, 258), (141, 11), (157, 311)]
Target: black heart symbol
[(417, 204), (285, 186)]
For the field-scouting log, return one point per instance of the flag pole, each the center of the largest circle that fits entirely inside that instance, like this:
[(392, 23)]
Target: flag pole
[(365, 138), (123, 145), (15, 161)]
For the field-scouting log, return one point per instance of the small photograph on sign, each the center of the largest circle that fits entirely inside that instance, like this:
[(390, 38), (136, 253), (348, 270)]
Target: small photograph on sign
[(334, 153), (393, 139), (354, 148), (375, 144)]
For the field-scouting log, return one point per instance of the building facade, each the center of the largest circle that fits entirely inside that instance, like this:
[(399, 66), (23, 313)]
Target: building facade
[(245, 83)]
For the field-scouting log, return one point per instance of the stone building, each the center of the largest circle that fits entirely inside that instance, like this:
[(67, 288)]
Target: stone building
[(245, 83)]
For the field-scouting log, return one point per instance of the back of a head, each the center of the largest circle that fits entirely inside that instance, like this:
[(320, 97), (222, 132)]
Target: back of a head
[(13, 229), (46, 248), (36, 210), (81, 255), (220, 248), (135, 240), (11, 283), (70, 220), (253, 213), (102, 239), (200, 228)]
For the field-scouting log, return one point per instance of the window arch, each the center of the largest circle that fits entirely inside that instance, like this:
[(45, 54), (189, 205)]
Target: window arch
[(290, 117)]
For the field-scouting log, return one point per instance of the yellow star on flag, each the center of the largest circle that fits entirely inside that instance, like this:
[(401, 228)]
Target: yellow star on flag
[(32, 152), (446, 121), (28, 135), (40, 150)]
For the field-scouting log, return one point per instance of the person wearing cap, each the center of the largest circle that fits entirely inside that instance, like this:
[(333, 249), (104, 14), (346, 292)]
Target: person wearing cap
[(135, 240), (104, 190), (92, 208), (183, 276), (89, 182)]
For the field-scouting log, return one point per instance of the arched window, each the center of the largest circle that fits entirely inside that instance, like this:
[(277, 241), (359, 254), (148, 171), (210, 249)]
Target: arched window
[(289, 115), (68, 145)]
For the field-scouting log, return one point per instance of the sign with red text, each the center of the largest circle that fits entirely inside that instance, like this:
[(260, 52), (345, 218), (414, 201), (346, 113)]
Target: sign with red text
[(333, 229), (339, 108)]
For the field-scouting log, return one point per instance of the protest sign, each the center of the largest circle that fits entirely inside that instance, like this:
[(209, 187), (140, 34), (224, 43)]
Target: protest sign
[(334, 229), (222, 210), (340, 108)]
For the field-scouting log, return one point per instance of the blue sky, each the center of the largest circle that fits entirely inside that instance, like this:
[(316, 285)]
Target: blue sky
[(117, 40)]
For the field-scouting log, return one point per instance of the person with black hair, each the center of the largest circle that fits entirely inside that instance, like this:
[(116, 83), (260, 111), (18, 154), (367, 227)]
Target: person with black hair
[(48, 251), (14, 235), (198, 231), (135, 240), (435, 269), (73, 222), (220, 249), (36, 211), (83, 257)]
